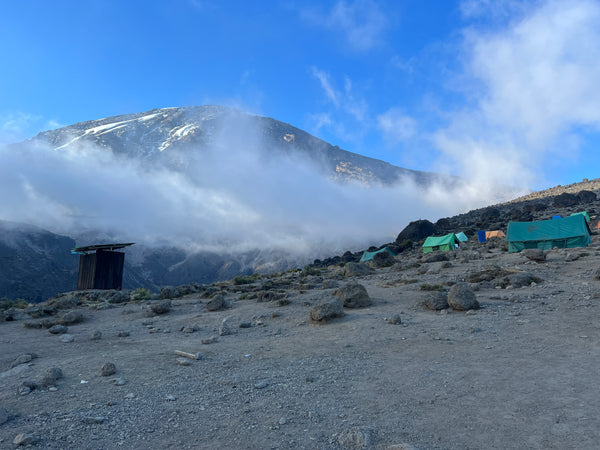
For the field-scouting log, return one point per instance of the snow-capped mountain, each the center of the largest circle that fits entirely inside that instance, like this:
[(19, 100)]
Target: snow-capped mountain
[(176, 136)]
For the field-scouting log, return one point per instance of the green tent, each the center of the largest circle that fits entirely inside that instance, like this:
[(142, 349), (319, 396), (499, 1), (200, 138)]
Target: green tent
[(443, 243), (566, 232), (584, 214), (368, 256), (462, 237)]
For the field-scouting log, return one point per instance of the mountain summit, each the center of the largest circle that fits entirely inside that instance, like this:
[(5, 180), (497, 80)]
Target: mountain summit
[(169, 134)]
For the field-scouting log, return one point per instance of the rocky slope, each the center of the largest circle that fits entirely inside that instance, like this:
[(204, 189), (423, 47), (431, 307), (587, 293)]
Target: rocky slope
[(476, 348)]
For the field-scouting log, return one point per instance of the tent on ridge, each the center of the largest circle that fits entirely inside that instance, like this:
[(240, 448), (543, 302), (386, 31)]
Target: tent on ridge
[(584, 214), (495, 233), (462, 237), (443, 243), (368, 256), (567, 232)]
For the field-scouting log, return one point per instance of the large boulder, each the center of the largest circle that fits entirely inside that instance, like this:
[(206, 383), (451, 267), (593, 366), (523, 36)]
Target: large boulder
[(534, 254), (586, 196), (217, 303), (436, 300), (462, 298), (565, 199), (416, 231), (354, 295), (353, 269), (382, 259), (326, 309)]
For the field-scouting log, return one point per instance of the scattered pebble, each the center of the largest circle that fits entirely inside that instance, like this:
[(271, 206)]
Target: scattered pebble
[(183, 361), (24, 439), (108, 369), (261, 385), (57, 329), (395, 319), (96, 335), (123, 334), (66, 338)]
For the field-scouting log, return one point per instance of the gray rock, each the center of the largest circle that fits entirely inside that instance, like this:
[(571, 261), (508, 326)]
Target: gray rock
[(226, 327), (245, 324), (597, 274), (521, 279), (534, 254), (123, 333), (435, 256), (462, 298), (169, 292), (52, 376), (116, 297), (571, 257), (93, 420), (183, 361), (15, 314), (217, 303), (26, 387), (355, 438), (96, 335), (261, 385), (21, 359), (58, 329), (3, 415), (329, 284), (327, 308), (66, 338), (382, 259), (161, 307), (71, 317), (24, 439), (353, 269), (108, 369), (436, 300), (395, 319), (354, 295)]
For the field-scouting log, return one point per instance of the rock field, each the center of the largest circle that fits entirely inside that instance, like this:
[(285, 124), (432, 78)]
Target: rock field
[(473, 349)]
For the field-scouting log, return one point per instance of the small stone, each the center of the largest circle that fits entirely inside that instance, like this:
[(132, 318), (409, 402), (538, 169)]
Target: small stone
[(96, 335), (108, 369), (93, 420), (130, 396), (123, 334), (261, 385), (57, 329), (245, 324), (118, 381), (210, 340), (161, 307), (225, 328), (53, 389), (183, 361), (51, 376), (355, 438), (21, 359), (436, 301), (170, 398), (395, 319), (24, 439), (66, 338), (282, 421)]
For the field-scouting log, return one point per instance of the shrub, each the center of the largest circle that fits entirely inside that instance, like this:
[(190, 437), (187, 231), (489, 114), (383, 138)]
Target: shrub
[(431, 287), (245, 279), (6, 303), (308, 270), (140, 294)]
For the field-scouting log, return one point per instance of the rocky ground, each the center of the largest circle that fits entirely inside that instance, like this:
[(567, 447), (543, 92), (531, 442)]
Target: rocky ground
[(308, 359)]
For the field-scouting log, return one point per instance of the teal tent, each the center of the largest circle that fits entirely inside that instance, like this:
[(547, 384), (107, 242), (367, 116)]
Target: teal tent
[(443, 243), (584, 214), (368, 256), (462, 237), (566, 232)]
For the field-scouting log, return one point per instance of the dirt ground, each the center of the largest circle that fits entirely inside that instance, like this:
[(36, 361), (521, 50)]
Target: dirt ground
[(521, 372)]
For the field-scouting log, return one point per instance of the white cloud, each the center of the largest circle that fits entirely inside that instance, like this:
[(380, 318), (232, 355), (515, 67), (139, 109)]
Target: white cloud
[(396, 126), (361, 22), (323, 78), (533, 81)]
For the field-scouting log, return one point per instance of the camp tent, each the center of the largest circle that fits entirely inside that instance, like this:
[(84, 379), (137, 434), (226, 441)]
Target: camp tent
[(584, 214), (443, 243), (368, 256), (462, 237), (495, 233), (567, 232)]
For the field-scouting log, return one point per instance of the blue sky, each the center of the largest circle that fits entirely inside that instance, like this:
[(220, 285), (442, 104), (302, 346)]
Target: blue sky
[(497, 90)]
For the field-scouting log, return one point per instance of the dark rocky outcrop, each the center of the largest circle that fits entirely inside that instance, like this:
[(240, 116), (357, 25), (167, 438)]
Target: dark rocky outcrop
[(416, 231)]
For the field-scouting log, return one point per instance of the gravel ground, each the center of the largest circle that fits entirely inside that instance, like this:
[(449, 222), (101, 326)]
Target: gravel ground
[(521, 372)]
